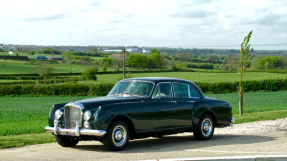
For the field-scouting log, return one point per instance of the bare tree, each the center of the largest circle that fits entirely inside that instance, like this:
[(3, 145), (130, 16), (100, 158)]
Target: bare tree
[(243, 61)]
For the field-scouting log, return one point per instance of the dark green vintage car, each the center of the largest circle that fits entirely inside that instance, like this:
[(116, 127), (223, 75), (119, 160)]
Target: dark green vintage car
[(138, 108)]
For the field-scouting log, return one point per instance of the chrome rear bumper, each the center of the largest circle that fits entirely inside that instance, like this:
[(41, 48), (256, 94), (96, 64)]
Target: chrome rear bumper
[(232, 120), (73, 132)]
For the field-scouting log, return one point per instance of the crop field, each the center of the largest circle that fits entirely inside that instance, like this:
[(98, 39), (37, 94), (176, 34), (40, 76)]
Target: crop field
[(194, 76), (28, 115)]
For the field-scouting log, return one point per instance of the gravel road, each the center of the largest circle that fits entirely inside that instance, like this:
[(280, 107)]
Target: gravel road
[(255, 138)]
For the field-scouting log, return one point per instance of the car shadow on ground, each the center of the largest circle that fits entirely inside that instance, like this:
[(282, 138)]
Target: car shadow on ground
[(179, 142)]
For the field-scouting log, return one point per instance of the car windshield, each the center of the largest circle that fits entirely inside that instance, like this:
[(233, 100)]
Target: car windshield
[(132, 89)]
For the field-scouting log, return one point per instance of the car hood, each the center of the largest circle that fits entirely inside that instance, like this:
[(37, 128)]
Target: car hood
[(100, 101)]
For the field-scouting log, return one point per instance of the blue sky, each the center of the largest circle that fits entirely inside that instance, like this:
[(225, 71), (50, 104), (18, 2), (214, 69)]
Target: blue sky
[(170, 23)]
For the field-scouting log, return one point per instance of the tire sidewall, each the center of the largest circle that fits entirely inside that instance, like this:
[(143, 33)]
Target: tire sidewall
[(108, 139), (199, 128)]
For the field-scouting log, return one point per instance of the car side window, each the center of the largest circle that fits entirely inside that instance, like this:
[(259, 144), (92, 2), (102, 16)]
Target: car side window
[(180, 90), (193, 92), (156, 92), (162, 90), (165, 91)]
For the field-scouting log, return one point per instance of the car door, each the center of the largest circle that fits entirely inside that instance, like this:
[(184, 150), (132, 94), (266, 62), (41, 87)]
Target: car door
[(185, 96), (165, 111)]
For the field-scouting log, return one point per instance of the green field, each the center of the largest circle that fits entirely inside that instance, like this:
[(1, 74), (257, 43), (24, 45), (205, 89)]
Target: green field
[(28, 115), (24, 67), (194, 77)]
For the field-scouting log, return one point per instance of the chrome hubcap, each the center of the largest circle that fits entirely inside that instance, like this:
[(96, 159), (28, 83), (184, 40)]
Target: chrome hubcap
[(119, 135), (206, 127)]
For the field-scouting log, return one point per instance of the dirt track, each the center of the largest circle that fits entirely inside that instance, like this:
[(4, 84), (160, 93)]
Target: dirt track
[(256, 138)]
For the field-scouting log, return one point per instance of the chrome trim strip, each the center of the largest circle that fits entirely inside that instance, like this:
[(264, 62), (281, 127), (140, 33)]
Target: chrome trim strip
[(75, 104), (75, 132)]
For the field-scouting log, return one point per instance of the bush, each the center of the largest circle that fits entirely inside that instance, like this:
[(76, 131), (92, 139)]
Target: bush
[(90, 73)]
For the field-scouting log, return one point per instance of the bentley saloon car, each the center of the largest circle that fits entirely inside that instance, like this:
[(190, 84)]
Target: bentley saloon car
[(138, 108)]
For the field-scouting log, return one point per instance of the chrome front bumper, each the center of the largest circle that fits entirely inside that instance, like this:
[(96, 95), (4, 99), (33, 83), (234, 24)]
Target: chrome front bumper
[(73, 132)]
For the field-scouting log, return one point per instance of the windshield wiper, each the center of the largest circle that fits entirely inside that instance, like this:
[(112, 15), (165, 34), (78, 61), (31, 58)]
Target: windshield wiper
[(119, 94)]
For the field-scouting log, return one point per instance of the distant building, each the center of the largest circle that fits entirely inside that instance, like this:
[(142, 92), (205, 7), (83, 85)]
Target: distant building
[(43, 57), (11, 52), (135, 50), (146, 51), (58, 59), (112, 50)]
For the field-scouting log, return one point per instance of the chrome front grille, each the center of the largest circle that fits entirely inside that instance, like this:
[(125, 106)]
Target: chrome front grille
[(72, 115)]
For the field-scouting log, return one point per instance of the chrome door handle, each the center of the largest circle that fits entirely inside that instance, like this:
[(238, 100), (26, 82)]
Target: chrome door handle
[(190, 101), (172, 102)]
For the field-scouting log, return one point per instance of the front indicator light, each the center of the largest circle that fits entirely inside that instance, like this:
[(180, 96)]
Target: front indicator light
[(86, 124)]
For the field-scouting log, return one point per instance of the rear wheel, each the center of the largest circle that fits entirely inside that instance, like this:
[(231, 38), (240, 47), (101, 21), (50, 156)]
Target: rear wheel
[(67, 141), (205, 128), (117, 137)]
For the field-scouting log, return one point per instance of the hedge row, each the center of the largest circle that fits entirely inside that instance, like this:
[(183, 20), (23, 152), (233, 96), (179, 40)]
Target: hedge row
[(63, 80), (29, 77), (17, 82), (254, 85), (57, 89), (104, 88), (8, 57)]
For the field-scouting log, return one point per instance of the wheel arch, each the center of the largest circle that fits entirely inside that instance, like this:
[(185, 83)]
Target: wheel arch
[(127, 120), (212, 114)]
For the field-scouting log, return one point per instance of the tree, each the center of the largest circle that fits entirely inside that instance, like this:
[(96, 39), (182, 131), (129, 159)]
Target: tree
[(90, 73), (164, 61), (44, 69), (154, 60), (184, 56), (116, 63), (87, 59), (32, 52), (94, 50), (68, 56), (243, 62)]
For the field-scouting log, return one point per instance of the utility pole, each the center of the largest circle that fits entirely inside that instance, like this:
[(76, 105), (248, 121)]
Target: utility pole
[(4, 59), (124, 63)]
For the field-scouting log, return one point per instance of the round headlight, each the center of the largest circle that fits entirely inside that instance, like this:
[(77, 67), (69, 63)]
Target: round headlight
[(58, 114), (87, 115)]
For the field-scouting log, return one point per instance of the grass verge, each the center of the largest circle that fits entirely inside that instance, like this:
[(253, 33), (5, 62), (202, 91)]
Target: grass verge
[(260, 116), (23, 140)]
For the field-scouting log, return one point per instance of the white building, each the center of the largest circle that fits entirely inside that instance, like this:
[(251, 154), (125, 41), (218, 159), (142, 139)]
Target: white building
[(11, 52), (132, 50), (146, 51)]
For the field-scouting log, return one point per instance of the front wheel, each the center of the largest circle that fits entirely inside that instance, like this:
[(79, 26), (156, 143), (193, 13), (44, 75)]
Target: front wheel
[(205, 128), (67, 141), (117, 137)]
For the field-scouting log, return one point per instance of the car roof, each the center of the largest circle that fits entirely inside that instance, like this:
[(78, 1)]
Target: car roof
[(164, 79), (157, 79)]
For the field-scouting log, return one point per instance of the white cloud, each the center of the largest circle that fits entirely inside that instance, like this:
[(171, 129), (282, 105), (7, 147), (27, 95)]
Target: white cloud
[(143, 22)]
